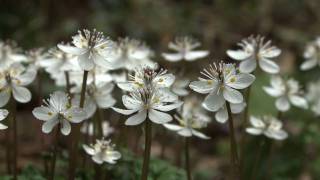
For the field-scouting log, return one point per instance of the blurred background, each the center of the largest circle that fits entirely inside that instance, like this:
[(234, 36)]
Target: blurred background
[(219, 25)]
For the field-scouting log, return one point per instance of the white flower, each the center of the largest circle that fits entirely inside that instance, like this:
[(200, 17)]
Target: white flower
[(102, 151), (222, 114), (3, 114), (147, 102), (190, 118), (130, 54), (148, 77), (268, 126), (89, 128), (179, 87), (91, 48), (254, 50), (13, 80), (311, 55), (313, 96), (286, 92), (10, 53), (221, 82), (185, 50), (58, 110)]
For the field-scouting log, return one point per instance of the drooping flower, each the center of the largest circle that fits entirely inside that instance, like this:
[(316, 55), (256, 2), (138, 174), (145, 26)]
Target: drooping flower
[(268, 126), (222, 114), (130, 54), (3, 114), (12, 81), (91, 48), (88, 128), (287, 92), (190, 119), (58, 110), (221, 81), (147, 102), (10, 53), (102, 151), (311, 55), (185, 47), (255, 50)]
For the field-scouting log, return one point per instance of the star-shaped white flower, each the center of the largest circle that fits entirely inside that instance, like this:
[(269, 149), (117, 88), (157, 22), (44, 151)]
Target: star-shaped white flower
[(221, 81), (287, 92), (146, 102), (185, 47), (58, 110), (268, 126), (13, 80), (190, 118), (102, 151), (3, 114), (254, 50), (311, 55), (91, 48)]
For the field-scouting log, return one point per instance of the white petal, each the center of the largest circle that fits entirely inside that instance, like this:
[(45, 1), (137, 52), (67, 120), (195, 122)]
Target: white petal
[(4, 97), (269, 66), (203, 87), (131, 103), (232, 95), (59, 100), (200, 134), (97, 159), (168, 107), (238, 54), (49, 125), (270, 52), (254, 131), (248, 66), (194, 55), (299, 101), (44, 113), (88, 149), (308, 64), (71, 49), (85, 62), (137, 118), (241, 81), (256, 122), (2, 126), (279, 135), (237, 108), (105, 101), (27, 77), (172, 127), (164, 80), (76, 115), (213, 102), (172, 57), (222, 115), (124, 111), (282, 104), (159, 117), (272, 91), (186, 132), (126, 86), (3, 114), (21, 94)]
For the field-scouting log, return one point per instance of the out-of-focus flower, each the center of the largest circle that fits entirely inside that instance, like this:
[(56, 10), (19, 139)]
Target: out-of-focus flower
[(130, 54), (254, 50), (179, 87), (313, 96), (146, 102), (12, 80), (222, 114), (311, 55), (36, 57), (91, 48), (221, 82), (286, 92), (3, 114), (58, 110), (89, 128), (10, 53), (268, 126), (190, 118), (185, 47), (102, 151)]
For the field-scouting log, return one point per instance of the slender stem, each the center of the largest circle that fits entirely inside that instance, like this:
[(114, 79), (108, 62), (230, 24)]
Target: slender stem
[(15, 143), (187, 165), (8, 150), (68, 85), (147, 149), (233, 145), (256, 160), (99, 123), (55, 150), (76, 132)]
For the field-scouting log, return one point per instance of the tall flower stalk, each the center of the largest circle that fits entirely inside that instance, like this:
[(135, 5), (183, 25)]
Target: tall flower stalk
[(55, 151), (13, 111), (187, 161), (147, 149)]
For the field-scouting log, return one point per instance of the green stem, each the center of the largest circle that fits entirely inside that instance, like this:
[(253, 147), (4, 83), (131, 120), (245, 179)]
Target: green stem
[(256, 160), (15, 138), (233, 145), (76, 132), (68, 85), (99, 123), (55, 150), (187, 165), (147, 149)]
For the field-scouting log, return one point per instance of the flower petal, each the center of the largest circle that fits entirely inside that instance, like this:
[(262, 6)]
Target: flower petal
[(213, 102), (199, 134), (76, 115), (159, 117), (173, 127), (131, 103), (241, 81), (186, 132), (169, 107), (71, 49), (165, 80), (44, 113), (137, 118), (309, 64), (222, 115), (49, 125), (3, 114), (203, 86), (282, 104), (172, 57), (88, 149), (232, 95), (65, 127), (238, 54), (124, 111), (269, 66), (21, 94), (194, 55), (85, 62), (272, 91), (256, 122), (2, 126), (254, 131), (248, 66), (298, 101), (5, 95)]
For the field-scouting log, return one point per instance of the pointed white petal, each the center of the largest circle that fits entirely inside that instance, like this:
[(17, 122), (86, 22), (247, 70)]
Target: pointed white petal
[(137, 118), (49, 125), (232, 95), (269, 66), (44, 113), (2, 126), (309, 64), (164, 80), (66, 127), (159, 117), (241, 81), (172, 57), (3, 114), (298, 101), (213, 102), (88, 149), (256, 122), (203, 87), (76, 115), (199, 134), (222, 115), (186, 132), (194, 55), (172, 127), (21, 94), (168, 107), (124, 111), (238, 54), (131, 103), (248, 66)]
